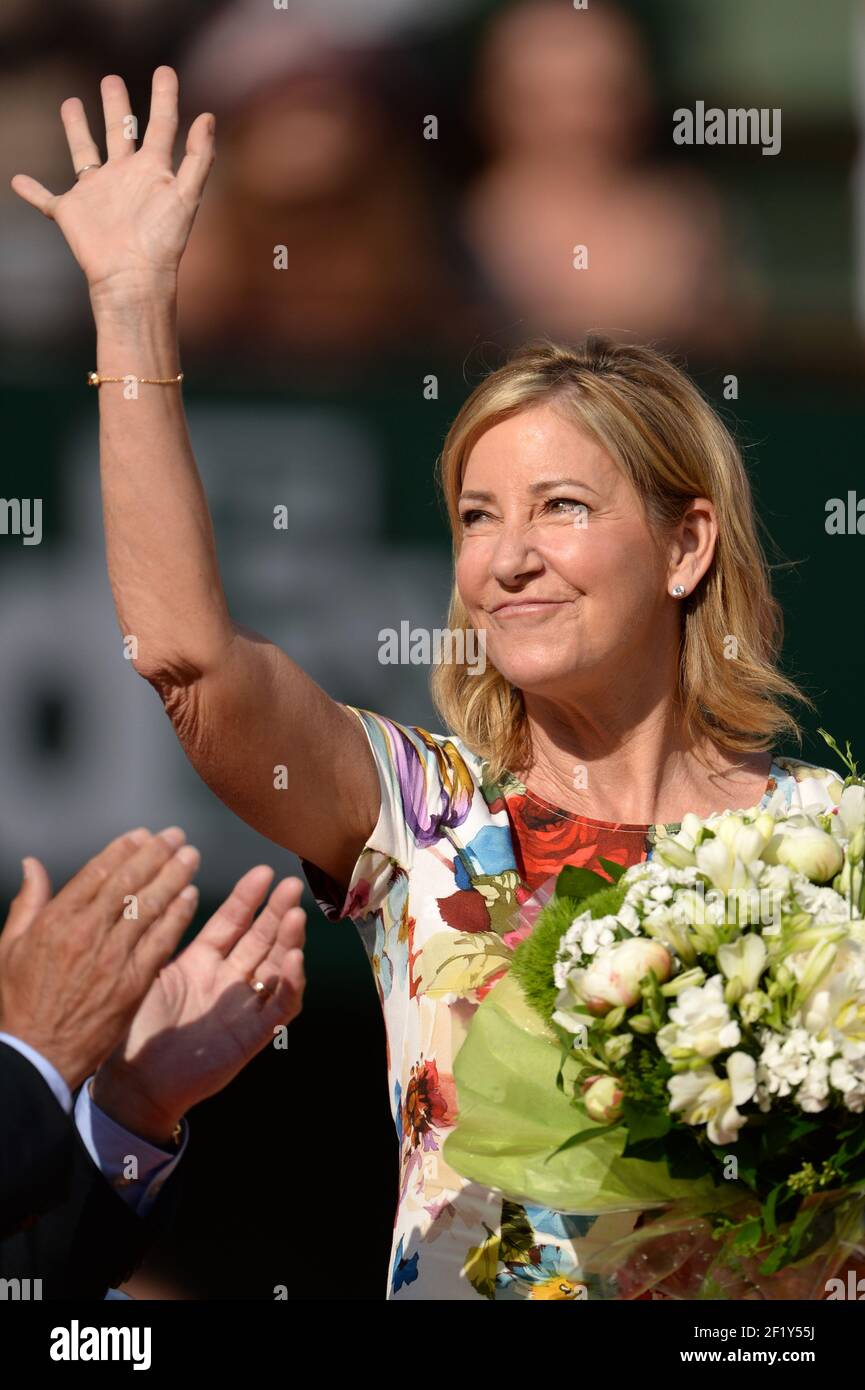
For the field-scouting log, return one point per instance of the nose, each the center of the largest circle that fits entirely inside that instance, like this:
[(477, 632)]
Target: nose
[(514, 556)]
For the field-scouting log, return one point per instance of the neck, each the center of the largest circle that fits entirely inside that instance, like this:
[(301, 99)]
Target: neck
[(629, 759)]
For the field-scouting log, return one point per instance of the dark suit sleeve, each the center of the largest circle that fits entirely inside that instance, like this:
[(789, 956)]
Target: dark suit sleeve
[(84, 1238), (36, 1142)]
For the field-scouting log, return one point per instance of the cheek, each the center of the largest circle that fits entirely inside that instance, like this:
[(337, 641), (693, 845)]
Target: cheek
[(597, 561), (470, 573)]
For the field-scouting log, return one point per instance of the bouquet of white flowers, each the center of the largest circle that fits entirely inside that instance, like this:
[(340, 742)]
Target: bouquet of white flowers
[(686, 1039)]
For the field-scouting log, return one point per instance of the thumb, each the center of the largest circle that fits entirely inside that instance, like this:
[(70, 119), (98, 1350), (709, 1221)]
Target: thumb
[(33, 895)]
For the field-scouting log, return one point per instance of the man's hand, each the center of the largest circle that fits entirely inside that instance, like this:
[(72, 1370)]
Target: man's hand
[(202, 1021), (74, 968)]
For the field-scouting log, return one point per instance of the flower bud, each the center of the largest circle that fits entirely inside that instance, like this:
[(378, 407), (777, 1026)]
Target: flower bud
[(810, 851), (641, 1023), (614, 976), (603, 1098), (733, 991), (618, 1047)]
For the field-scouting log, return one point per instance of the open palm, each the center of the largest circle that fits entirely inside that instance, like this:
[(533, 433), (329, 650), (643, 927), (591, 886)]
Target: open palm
[(129, 218), (202, 1021)]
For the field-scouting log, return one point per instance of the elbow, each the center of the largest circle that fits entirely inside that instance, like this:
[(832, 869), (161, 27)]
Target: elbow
[(165, 673), (171, 668)]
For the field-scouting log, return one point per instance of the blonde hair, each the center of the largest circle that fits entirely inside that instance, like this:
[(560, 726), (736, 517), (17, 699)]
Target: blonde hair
[(672, 446)]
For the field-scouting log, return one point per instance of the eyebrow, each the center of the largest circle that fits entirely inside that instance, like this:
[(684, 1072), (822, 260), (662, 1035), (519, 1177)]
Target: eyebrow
[(535, 489)]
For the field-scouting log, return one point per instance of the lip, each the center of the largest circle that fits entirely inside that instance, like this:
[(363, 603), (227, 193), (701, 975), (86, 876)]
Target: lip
[(527, 608)]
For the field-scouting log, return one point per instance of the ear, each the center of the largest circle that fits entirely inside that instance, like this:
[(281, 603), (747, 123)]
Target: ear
[(693, 545)]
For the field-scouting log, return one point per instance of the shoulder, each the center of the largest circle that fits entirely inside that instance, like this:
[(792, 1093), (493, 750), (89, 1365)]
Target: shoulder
[(433, 750), (428, 777)]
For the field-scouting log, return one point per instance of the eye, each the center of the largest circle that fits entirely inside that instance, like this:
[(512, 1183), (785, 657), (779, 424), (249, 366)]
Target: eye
[(569, 504), (471, 515)]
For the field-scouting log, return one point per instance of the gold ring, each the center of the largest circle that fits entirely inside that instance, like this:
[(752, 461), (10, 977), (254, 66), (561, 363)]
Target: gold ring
[(83, 170)]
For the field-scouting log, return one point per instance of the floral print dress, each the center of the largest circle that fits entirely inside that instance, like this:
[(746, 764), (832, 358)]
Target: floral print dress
[(435, 895)]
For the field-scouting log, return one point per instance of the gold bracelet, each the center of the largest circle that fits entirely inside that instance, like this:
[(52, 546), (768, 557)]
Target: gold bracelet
[(94, 379)]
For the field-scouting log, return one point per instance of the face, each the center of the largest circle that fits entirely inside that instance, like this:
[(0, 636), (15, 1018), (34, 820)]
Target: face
[(557, 562)]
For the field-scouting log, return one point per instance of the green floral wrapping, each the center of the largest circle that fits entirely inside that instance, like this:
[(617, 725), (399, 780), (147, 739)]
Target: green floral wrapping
[(512, 1118)]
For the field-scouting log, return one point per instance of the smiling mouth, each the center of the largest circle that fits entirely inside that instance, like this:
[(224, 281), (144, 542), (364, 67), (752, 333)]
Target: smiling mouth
[(527, 609)]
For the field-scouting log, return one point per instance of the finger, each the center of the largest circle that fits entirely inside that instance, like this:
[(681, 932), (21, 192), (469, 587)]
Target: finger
[(84, 886), (32, 896), (131, 874), (143, 906), (285, 999), (261, 939), (119, 121), (162, 121), (195, 165), (290, 935), (235, 915), (163, 937), (34, 193), (82, 146)]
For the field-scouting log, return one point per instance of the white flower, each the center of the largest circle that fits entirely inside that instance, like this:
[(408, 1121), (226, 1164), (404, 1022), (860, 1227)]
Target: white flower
[(724, 869), (629, 918), (838, 1002), (779, 879), (824, 904), (752, 1006), (851, 810), (661, 893), (583, 938), (614, 976), (700, 1023), (708, 1099), (744, 960), (744, 837), (807, 849), (798, 1064)]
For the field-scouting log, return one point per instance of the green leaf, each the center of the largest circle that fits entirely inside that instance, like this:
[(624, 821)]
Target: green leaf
[(853, 1146), (613, 869), (686, 1160), (583, 1137), (749, 1235), (644, 1123), (578, 883), (560, 1074), (652, 1150), (769, 1206)]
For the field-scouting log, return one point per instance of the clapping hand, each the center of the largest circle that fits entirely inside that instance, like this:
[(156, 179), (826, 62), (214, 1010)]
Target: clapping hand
[(203, 1020)]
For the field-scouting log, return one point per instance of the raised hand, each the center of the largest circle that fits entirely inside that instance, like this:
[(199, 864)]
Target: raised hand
[(202, 1021), (127, 220)]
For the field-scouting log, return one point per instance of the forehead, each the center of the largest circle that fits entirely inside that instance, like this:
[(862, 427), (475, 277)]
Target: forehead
[(536, 443)]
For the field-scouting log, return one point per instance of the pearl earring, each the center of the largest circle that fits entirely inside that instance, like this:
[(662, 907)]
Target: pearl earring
[(678, 590)]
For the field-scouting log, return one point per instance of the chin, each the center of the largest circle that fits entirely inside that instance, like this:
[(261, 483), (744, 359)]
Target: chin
[(538, 677)]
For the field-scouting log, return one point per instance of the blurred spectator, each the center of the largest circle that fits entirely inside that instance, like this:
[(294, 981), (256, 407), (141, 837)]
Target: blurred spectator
[(310, 158), (40, 285), (565, 105)]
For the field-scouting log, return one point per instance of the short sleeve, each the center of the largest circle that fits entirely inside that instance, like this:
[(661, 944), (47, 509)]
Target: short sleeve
[(424, 782)]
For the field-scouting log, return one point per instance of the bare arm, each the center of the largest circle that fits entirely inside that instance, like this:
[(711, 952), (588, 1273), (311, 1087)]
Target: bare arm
[(240, 706)]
